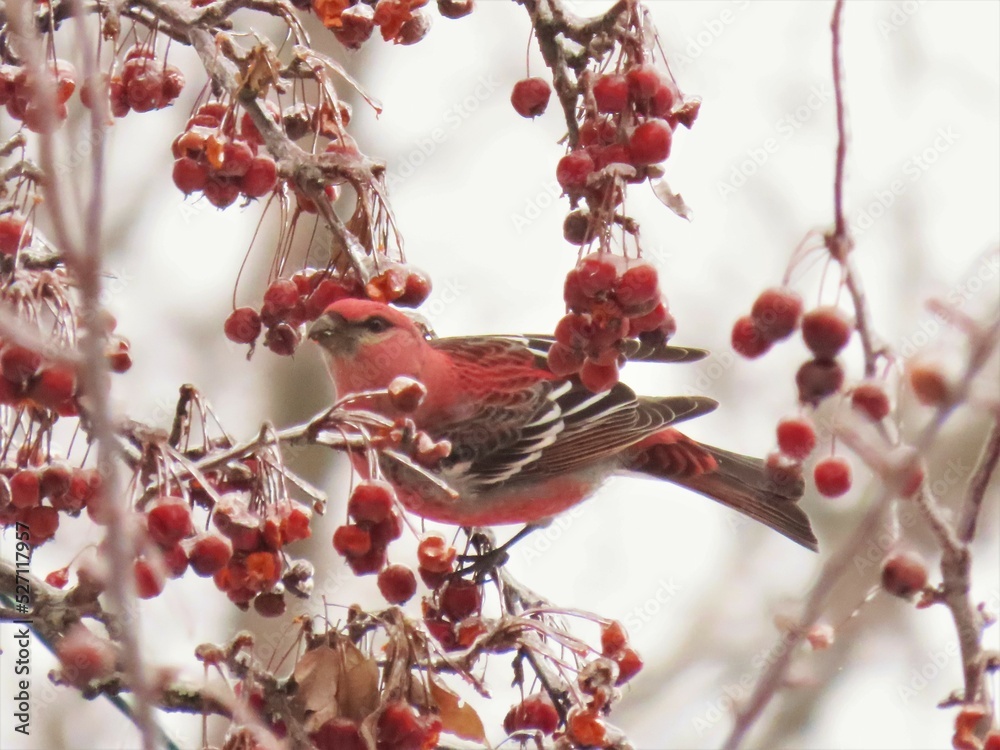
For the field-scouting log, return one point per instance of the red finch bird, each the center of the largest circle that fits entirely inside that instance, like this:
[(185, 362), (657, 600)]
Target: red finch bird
[(528, 444)]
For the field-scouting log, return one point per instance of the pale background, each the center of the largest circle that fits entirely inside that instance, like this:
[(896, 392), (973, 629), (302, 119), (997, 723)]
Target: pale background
[(697, 587)]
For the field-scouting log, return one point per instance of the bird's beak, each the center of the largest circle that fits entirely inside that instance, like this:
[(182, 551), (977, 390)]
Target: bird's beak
[(331, 332)]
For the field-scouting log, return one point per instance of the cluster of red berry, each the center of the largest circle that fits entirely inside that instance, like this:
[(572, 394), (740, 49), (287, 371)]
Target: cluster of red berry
[(24, 490), (376, 523), (211, 157), (19, 91), (289, 303), (631, 122), (399, 21), (145, 83), (610, 298)]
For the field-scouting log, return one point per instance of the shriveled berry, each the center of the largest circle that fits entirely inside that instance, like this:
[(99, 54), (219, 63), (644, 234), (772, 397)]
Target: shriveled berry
[(904, 574), (435, 554), (817, 379), (747, 339), (260, 178), (455, 8), (339, 733), (832, 476), (613, 638), (776, 312), (629, 665), (169, 521), (871, 399), (461, 598), (576, 228), (585, 728), (282, 339), (209, 554), (826, 331), (270, 604), (796, 437), (356, 26), (397, 584), (58, 578), (530, 96), (406, 394)]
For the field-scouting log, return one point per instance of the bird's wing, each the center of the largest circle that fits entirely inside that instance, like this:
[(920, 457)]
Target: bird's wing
[(528, 424)]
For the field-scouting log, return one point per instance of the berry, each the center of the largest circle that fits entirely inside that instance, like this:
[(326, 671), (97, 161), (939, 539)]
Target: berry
[(169, 521), (796, 437), (638, 290), (747, 339), (270, 604), (564, 360), (414, 29), (243, 325), (416, 290), (356, 26), (58, 578), (904, 574), (148, 581), (576, 228), (817, 379), (530, 96), (535, 712), (351, 541), (400, 727), (461, 598), (372, 500), (826, 331), (832, 476), (282, 339), (613, 638), (871, 399), (24, 489), (611, 93), (435, 554), (281, 296), (406, 394), (455, 8), (928, 383), (595, 275), (84, 656), (650, 142), (629, 664), (338, 734), (643, 82), (397, 584), (387, 530), (18, 363), (573, 170), (209, 554), (175, 560), (584, 727), (776, 313), (295, 526), (598, 378), (42, 522), (221, 194), (53, 386), (260, 178), (14, 235)]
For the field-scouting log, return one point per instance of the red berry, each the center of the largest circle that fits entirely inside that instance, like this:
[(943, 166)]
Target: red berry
[(643, 82), (295, 525), (372, 500), (817, 379), (397, 584), (629, 664), (871, 399), (55, 484), (662, 103), (221, 194), (596, 275), (535, 712), (65, 75), (601, 132), (435, 554), (416, 290), (826, 331), (611, 93), (573, 330), (143, 80), (598, 378), (356, 26), (651, 321), (83, 656), (243, 325), (400, 727), (564, 361), (613, 638), (237, 158), (650, 142), (747, 340), (573, 170), (281, 296), (42, 522), (387, 530), (209, 554), (904, 574), (148, 581), (461, 598), (18, 363), (638, 290), (928, 383), (282, 339), (338, 734), (530, 96), (351, 541), (175, 560), (585, 728), (53, 386), (455, 8), (169, 521), (776, 312), (406, 394), (58, 578), (24, 489), (260, 178), (796, 437), (14, 235), (832, 476), (173, 83)]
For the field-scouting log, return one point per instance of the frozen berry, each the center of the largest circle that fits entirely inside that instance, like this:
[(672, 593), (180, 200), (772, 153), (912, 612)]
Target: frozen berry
[(148, 581), (455, 8), (585, 728), (904, 574), (169, 521), (209, 554), (613, 638), (339, 733), (260, 178), (535, 712), (397, 584), (611, 93), (796, 437), (638, 290), (461, 598), (776, 312), (83, 656), (25, 489), (826, 331), (564, 360), (597, 377), (629, 665), (435, 554), (928, 383), (650, 142), (817, 379), (530, 96), (832, 476), (596, 275), (643, 82), (871, 399), (243, 325), (573, 170), (372, 500)]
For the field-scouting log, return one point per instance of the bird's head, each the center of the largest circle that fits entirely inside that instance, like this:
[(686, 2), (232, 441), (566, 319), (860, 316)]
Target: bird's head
[(368, 344)]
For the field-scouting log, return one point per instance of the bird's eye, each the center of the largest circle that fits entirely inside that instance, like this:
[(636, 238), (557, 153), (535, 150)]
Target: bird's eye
[(377, 324)]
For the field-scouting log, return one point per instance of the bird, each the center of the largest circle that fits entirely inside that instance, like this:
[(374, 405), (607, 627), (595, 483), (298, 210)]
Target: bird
[(527, 444)]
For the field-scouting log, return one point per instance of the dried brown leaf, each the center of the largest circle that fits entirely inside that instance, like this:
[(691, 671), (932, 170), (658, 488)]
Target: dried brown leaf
[(457, 717)]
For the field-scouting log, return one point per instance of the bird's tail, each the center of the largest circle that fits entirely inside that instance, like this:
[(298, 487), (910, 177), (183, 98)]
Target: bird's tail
[(740, 482)]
